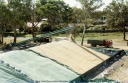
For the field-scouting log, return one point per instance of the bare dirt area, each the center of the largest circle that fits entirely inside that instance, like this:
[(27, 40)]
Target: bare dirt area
[(119, 41), (121, 44)]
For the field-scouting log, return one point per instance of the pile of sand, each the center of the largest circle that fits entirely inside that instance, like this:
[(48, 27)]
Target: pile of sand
[(72, 55)]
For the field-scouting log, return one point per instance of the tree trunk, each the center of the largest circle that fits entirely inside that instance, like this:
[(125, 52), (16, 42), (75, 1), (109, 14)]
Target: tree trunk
[(33, 20), (33, 34), (2, 38), (83, 35), (124, 36), (15, 34)]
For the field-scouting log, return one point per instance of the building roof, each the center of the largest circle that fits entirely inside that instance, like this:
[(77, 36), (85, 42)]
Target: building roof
[(29, 24)]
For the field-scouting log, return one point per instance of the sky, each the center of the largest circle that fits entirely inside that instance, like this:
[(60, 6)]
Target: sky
[(74, 3)]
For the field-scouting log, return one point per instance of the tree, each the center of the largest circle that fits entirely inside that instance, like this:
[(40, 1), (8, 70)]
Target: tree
[(89, 7), (19, 14), (32, 15), (77, 16), (4, 14), (56, 12), (16, 9), (117, 15), (35, 17)]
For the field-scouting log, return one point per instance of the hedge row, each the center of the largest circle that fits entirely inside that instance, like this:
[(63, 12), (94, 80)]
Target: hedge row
[(102, 31), (6, 34)]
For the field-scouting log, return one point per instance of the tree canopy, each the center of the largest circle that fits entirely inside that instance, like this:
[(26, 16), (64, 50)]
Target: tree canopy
[(117, 15), (89, 7), (56, 11)]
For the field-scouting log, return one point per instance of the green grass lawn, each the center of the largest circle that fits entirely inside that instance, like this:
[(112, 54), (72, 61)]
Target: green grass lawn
[(109, 36)]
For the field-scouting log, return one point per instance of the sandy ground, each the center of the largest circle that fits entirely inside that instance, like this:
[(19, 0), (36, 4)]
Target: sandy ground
[(72, 55), (120, 44), (121, 73)]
